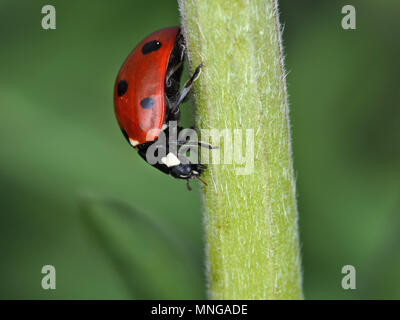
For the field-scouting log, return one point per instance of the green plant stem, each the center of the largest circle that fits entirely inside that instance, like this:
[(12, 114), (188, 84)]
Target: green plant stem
[(250, 220)]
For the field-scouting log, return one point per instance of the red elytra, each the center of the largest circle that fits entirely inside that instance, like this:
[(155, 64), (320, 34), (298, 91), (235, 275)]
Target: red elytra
[(139, 91)]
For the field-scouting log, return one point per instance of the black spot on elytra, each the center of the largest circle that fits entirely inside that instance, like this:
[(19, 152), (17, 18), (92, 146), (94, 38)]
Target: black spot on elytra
[(151, 46), (147, 103), (122, 87)]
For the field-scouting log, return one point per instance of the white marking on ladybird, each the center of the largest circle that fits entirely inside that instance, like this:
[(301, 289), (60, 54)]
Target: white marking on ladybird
[(170, 160), (164, 126), (134, 143)]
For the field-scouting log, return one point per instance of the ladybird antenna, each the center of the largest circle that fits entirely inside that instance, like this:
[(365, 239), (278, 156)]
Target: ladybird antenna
[(201, 180), (188, 185)]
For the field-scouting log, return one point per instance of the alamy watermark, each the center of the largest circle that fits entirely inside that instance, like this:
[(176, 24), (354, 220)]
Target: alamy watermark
[(49, 280), (49, 20), (349, 20), (349, 280)]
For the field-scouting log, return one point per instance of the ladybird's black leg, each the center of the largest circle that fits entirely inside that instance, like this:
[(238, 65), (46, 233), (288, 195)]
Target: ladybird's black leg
[(195, 144), (182, 95), (188, 185), (201, 180), (172, 70), (173, 114)]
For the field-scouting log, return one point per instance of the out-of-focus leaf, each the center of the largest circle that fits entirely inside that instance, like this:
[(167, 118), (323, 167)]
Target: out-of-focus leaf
[(153, 262)]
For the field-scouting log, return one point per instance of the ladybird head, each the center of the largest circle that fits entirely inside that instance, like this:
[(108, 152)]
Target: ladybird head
[(187, 171)]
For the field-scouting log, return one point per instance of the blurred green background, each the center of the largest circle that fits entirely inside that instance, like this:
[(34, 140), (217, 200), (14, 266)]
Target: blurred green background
[(74, 195)]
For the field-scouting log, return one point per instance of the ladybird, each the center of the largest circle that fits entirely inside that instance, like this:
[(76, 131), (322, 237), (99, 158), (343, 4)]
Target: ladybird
[(147, 98)]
